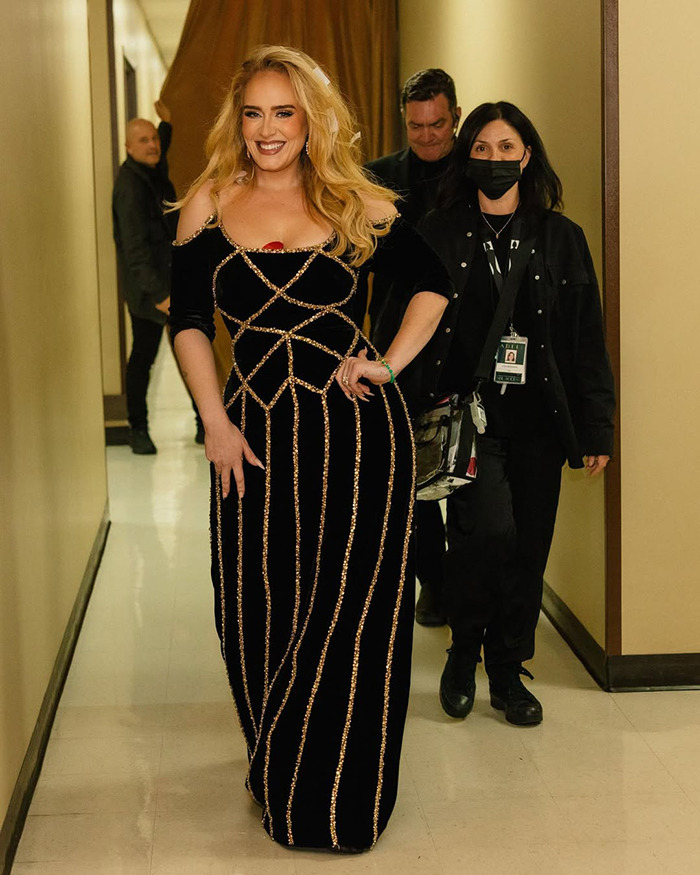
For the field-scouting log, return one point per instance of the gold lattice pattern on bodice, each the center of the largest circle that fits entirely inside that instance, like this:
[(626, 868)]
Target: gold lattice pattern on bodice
[(289, 336)]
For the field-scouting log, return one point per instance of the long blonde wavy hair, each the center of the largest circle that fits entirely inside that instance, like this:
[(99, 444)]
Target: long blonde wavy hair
[(332, 176)]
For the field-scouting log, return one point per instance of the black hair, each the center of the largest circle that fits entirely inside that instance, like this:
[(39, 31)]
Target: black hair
[(540, 187), (428, 84)]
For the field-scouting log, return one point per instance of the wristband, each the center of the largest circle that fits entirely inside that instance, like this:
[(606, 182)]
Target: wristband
[(388, 367)]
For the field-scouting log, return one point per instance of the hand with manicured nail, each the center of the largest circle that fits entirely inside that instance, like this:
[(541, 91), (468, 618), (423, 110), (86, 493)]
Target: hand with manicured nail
[(356, 368), (226, 448)]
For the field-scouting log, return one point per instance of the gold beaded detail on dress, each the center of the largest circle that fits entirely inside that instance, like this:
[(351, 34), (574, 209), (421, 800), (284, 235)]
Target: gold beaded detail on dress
[(190, 237), (285, 336)]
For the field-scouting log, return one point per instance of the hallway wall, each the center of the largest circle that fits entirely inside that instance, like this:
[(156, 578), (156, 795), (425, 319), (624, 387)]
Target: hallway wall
[(51, 432), (659, 312), (544, 56)]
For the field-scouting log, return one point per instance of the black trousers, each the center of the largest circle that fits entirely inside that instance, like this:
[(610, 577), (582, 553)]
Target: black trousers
[(499, 532), (146, 341), (430, 544)]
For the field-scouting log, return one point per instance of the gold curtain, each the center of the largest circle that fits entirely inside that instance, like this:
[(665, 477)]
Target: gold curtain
[(356, 41)]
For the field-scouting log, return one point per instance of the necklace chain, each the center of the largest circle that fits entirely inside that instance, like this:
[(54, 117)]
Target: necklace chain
[(498, 233)]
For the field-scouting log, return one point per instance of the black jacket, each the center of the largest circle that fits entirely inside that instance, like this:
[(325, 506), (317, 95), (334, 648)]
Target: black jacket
[(576, 376), (143, 233), (397, 172)]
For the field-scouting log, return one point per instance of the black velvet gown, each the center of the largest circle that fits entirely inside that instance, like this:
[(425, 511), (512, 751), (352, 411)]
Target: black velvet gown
[(314, 604)]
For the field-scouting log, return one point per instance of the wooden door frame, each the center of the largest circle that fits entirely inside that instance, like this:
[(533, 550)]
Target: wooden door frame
[(611, 296), (116, 430)]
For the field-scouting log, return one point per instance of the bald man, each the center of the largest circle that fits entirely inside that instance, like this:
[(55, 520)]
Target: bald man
[(143, 235)]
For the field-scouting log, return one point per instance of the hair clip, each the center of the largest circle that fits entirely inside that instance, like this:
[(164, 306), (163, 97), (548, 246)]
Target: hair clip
[(332, 122), (355, 136), (321, 76)]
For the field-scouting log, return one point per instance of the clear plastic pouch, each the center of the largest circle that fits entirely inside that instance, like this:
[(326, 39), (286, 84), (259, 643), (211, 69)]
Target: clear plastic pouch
[(445, 437)]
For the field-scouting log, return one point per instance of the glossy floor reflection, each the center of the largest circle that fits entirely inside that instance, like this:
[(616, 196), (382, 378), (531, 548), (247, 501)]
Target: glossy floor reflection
[(144, 771)]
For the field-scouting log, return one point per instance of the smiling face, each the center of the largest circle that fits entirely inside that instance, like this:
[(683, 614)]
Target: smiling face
[(499, 141), (430, 127), (143, 142), (274, 124)]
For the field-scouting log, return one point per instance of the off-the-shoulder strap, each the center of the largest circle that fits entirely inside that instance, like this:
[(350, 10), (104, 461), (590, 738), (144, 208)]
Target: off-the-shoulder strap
[(387, 220), (196, 233)]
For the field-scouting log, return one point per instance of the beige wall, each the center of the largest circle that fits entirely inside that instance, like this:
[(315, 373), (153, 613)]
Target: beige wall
[(544, 56), (133, 41), (51, 437), (660, 309), (104, 180)]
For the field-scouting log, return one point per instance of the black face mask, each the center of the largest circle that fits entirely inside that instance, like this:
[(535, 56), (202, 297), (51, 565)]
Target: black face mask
[(493, 178)]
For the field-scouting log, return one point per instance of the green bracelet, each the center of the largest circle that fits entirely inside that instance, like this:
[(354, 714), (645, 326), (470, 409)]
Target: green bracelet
[(388, 367)]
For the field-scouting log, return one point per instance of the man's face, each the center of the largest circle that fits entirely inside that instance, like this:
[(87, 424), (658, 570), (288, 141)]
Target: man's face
[(430, 127), (143, 142)]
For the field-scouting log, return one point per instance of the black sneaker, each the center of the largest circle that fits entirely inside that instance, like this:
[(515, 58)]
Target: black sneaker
[(458, 684), (141, 443), (429, 611), (509, 694)]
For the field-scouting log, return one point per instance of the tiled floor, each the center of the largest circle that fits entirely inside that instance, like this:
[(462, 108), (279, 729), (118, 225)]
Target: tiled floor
[(145, 767)]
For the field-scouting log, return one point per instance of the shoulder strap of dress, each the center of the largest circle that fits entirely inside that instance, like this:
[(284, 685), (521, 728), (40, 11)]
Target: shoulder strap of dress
[(196, 233)]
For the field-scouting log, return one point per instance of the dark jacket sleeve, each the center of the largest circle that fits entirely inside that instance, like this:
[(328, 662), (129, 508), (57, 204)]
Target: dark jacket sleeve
[(131, 211), (591, 367), (440, 234), (405, 257), (192, 295)]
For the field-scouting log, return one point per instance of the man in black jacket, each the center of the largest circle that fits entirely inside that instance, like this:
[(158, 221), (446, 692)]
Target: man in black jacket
[(143, 234), (430, 113)]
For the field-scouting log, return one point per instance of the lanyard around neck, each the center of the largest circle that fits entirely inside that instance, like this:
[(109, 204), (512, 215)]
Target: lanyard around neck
[(520, 254), (490, 249)]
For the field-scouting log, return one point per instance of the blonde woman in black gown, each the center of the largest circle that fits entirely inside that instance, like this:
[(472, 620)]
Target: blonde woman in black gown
[(310, 447)]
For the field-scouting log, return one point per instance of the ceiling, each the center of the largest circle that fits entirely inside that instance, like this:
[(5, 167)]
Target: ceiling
[(166, 18)]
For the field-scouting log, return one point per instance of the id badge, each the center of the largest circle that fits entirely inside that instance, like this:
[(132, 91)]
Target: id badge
[(511, 360)]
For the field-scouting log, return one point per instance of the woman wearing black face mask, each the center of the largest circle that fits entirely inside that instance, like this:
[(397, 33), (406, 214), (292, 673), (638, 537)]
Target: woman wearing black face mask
[(498, 210)]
